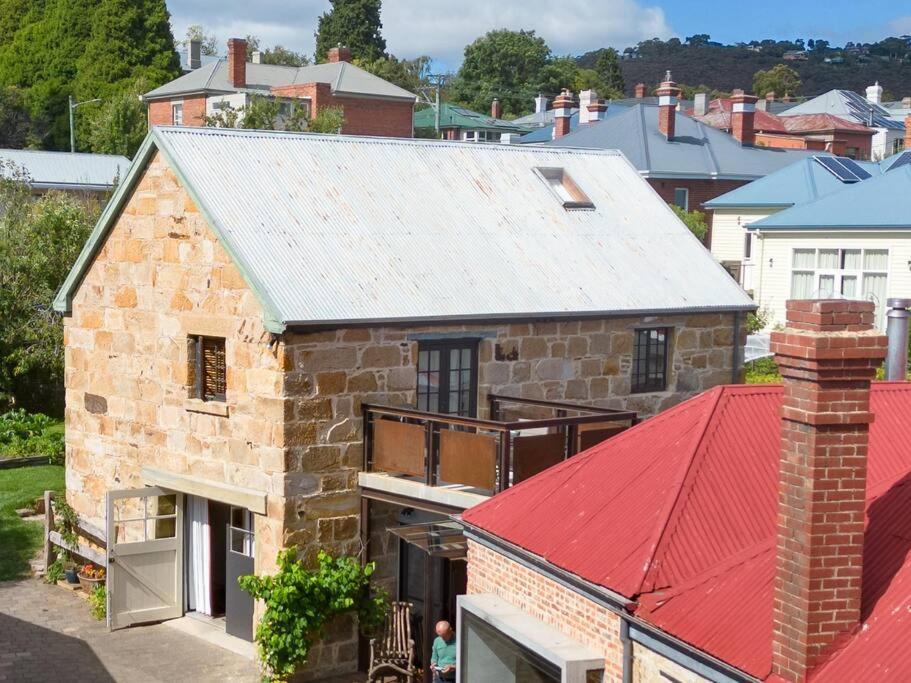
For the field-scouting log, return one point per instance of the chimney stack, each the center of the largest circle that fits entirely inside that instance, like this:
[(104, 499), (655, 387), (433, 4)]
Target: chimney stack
[(257, 57), (338, 54), (827, 355), (194, 54), (640, 91), (541, 104), (743, 116), (908, 132), (667, 105), (875, 93), (496, 110), (897, 333), (237, 62), (597, 110), (563, 112), (700, 104), (586, 97)]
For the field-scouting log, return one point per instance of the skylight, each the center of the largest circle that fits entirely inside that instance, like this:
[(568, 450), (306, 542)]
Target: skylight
[(565, 188)]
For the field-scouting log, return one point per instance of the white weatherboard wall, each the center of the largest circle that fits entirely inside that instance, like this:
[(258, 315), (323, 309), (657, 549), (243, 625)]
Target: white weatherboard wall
[(773, 253), (728, 237)]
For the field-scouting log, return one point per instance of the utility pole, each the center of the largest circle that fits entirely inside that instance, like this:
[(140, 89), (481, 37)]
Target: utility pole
[(72, 107), (435, 81)]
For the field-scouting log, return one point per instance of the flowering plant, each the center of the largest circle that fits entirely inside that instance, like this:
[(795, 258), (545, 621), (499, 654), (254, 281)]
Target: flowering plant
[(90, 571)]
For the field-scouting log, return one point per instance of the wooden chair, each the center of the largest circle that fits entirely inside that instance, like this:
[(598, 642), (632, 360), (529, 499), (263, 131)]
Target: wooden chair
[(394, 651)]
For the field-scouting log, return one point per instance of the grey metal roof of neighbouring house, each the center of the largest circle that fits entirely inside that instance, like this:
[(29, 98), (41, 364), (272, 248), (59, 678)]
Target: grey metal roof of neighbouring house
[(848, 105), (329, 230), (696, 150), (65, 170), (345, 78)]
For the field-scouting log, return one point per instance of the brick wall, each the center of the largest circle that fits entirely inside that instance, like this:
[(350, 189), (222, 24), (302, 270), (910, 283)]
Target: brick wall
[(194, 111)]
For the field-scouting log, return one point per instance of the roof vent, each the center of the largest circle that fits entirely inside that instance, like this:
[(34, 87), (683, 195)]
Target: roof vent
[(565, 188)]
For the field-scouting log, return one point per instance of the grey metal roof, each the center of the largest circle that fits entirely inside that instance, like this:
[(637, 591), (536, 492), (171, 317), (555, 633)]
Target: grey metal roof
[(66, 171), (695, 151), (336, 229), (849, 105), (345, 78)]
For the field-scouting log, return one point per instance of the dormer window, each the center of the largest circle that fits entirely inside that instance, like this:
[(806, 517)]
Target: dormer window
[(565, 188)]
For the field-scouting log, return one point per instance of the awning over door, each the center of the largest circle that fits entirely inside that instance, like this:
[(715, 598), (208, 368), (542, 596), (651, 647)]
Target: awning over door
[(437, 539)]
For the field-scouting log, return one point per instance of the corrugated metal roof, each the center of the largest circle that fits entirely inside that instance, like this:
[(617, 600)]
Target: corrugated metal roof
[(454, 116), (344, 77), (847, 104), (696, 150), (67, 171), (333, 229), (880, 202), (679, 513), (802, 181)]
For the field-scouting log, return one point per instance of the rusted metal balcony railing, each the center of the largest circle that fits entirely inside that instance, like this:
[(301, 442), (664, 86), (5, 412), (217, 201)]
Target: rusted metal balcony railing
[(488, 455)]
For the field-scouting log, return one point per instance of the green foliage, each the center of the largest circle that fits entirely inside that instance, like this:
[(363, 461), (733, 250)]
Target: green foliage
[(278, 55), (410, 74), (19, 539), (694, 220), (607, 65), (119, 124), (39, 242), (762, 371), (327, 120), (18, 128), (355, 24), (208, 42), (264, 113), (54, 571), (300, 603), (24, 434), (758, 320), (780, 79), (98, 602)]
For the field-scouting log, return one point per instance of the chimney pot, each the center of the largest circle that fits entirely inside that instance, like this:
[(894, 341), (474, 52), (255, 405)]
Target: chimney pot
[(875, 93), (237, 62), (743, 116), (496, 110), (908, 132), (700, 104), (828, 354), (640, 91), (194, 54), (597, 110), (339, 53), (586, 97), (667, 105), (541, 104), (257, 57), (563, 112), (897, 333)]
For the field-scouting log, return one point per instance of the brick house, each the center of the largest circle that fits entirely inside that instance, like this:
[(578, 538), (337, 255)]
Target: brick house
[(751, 533), (232, 327), (371, 105), (686, 161)]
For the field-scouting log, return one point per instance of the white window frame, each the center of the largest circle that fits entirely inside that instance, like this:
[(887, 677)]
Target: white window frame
[(177, 113), (686, 200)]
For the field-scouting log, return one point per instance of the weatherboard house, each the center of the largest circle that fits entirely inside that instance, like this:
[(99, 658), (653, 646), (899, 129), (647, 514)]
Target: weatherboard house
[(283, 339)]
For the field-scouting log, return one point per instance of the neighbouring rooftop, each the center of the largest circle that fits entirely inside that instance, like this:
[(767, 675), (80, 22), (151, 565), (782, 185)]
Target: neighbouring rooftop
[(66, 170)]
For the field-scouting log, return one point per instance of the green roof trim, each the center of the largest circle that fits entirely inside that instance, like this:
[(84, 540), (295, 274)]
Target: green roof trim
[(454, 116), (63, 302)]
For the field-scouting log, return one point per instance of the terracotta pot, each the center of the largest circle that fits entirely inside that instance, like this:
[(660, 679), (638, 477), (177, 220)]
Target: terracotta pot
[(89, 584)]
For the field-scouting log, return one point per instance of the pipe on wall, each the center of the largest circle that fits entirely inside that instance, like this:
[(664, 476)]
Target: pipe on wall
[(627, 651), (897, 332)]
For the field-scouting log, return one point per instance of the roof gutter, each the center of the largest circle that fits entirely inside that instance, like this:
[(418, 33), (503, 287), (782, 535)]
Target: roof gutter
[(636, 629), (858, 228)]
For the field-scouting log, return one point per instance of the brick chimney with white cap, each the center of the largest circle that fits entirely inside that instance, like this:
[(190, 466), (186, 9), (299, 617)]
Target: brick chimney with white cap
[(743, 117), (563, 112), (667, 106), (586, 97), (875, 93)]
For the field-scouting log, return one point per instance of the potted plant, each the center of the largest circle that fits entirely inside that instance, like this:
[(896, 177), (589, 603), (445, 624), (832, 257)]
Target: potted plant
[(70, 571), (91, 576)]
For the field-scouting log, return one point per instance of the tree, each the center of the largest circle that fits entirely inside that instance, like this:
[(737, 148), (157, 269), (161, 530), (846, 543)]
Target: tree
[(694, 220), (780, 79), (410, 74), (208, 41), (18, 129), (698, 39), (608, 68), (356, 25), (266, 113), (504, 64), (119, 124), (282, 56)]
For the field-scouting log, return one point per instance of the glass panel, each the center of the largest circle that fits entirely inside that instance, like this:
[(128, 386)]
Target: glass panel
[(422, 360), (849, 286), (434, 360), (850, 259), (454, 358), (453, 401), (466, 358), (434, 403), (828, 258), (826, 286), (422, 402), (167, 505), (130, 532), (161, 528), (454, 380), (489, 656), (801, 285), (238, 518), (804, 258), (874, 289), (876, 259)]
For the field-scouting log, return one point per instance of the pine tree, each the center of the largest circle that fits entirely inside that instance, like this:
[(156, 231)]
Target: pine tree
[(355, 24), (608, 68)]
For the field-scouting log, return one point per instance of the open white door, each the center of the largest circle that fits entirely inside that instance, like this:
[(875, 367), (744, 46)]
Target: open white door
[(145, 556)]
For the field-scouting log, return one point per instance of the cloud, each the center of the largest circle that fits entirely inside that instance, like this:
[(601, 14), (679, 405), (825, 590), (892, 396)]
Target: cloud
[(438, 28)]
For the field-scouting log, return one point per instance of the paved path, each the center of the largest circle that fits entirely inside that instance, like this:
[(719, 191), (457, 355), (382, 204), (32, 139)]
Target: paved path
[(47, 634)]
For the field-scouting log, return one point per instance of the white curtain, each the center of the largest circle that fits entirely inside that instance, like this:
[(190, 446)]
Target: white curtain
[(199, 594)]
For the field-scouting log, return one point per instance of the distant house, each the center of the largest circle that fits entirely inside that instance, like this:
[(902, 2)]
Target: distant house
[(753, 533), (795, 56), (459, 123), (846, 104), (824, 227), (371, 105), (65, 171), (687, 162)]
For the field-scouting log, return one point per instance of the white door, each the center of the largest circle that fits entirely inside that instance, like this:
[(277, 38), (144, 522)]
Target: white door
[(145, 556)]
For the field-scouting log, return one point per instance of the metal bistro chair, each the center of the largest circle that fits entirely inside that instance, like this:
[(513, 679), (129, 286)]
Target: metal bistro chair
[(394, 651)]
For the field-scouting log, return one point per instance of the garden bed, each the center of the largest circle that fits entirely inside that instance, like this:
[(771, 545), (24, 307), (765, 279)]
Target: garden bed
[(25, 435)]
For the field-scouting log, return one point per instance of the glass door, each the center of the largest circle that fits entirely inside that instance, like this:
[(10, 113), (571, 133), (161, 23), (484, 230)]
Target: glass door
[(448, 376)]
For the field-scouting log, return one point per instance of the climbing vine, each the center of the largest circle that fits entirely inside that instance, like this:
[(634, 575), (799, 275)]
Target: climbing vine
[(300, 603)]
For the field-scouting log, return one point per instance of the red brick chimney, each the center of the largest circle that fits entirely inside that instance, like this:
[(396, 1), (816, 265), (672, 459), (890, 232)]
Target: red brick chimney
[(496, 109), (338, 54), (563, 112), (640, 91), (827, 355), (667, 105), (597, 110), (743, 115), (237, 62), (908, 132)]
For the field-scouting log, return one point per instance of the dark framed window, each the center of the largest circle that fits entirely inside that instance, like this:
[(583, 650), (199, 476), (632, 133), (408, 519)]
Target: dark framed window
[(682, 198), (650, 359), (448, 376), (747, 245), (207, 368)]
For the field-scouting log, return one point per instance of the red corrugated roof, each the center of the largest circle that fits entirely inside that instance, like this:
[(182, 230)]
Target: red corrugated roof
[(718, 115), (817, 123), (679, 514)]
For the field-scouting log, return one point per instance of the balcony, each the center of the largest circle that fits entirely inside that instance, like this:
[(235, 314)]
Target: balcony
[(457, 462)]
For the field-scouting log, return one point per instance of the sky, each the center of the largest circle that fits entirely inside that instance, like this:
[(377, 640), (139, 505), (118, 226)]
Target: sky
[(442, 28)]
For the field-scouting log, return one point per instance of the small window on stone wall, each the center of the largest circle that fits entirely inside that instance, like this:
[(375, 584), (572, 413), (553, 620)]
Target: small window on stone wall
[(207, 370), (650, 360)]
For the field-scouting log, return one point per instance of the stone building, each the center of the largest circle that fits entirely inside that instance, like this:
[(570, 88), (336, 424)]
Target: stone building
[(250, 300)]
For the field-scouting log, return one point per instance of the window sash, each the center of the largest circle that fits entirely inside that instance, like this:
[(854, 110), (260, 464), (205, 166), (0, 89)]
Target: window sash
[(650, 360), (448, 376), (208, 368)]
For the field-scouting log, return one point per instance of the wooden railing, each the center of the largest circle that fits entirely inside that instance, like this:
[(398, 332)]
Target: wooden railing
[(86, 531), (484, 454)]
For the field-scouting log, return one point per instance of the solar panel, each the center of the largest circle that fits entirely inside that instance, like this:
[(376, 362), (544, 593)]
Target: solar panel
[(903, 160), (854, 167), (839, 170), (867, 113)]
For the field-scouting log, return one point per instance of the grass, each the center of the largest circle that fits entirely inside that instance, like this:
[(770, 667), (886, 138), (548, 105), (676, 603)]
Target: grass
[(762, 371), (20, 540)]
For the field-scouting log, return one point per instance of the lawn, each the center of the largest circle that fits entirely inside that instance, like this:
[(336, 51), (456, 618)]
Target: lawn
[(20, 540)]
